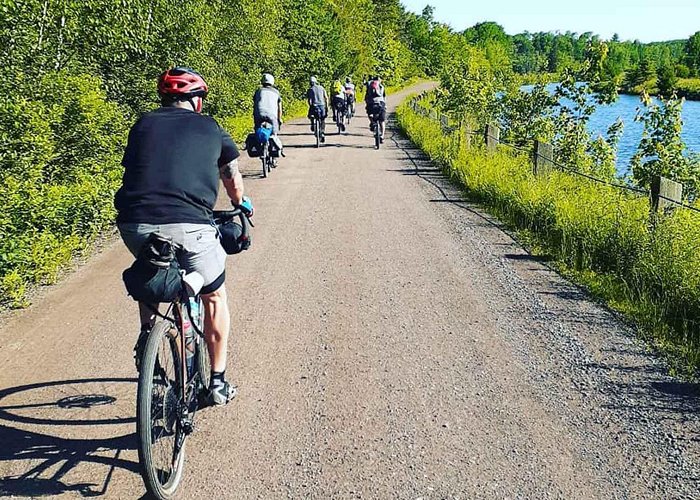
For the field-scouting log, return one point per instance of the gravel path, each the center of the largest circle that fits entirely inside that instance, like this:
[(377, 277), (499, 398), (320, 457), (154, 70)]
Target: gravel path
[(390, 341)]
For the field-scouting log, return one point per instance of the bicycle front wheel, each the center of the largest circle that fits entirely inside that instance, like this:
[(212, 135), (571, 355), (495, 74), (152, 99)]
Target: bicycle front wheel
[(158, 404)]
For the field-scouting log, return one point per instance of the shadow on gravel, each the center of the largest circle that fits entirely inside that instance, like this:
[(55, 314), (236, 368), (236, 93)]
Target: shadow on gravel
[(71, 407), (528, 258)]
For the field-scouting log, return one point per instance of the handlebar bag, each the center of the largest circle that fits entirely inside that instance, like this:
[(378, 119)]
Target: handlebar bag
[(231, 238)]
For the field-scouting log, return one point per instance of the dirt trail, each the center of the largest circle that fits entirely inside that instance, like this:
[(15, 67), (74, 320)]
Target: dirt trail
[(390, 341)]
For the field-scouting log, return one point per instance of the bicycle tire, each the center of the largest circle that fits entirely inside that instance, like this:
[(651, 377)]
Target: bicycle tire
[(203, 363), (377, 135), (158, 484), (203, 359), (263, 159)]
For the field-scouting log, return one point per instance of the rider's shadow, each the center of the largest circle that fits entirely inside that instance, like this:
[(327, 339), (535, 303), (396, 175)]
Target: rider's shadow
[(72, 407)]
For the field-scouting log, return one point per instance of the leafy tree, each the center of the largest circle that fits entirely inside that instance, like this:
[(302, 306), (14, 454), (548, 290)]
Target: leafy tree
[(692, 53), (662, 150), (666, 80)]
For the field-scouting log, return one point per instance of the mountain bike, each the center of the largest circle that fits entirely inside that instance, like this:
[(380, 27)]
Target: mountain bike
[(377, 131), (317, 125), (268, 162), (374, 115), (350, 108), (340, 119), (174, 378)]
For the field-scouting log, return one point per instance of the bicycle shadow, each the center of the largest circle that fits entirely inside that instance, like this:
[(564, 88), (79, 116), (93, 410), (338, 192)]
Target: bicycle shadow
[(49, 458)]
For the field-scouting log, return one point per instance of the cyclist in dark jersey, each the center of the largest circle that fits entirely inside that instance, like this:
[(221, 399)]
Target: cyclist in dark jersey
[(173, 161)]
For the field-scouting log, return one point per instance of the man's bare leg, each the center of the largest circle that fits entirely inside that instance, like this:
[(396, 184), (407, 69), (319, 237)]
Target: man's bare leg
[(217, 322)]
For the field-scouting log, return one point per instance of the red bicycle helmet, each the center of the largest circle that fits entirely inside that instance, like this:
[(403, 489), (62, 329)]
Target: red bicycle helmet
[(182, 84)]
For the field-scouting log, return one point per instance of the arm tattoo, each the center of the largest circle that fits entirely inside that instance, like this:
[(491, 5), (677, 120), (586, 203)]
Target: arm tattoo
[(230, 170)]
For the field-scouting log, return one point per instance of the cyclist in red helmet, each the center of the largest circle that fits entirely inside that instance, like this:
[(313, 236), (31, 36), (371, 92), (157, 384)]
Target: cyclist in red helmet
[(173, 161)]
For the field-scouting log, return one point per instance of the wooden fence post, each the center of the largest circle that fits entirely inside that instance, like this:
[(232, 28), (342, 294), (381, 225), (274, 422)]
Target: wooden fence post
[(467, 132), (671, 191), (542, 157), (444, 122), (491, 136)]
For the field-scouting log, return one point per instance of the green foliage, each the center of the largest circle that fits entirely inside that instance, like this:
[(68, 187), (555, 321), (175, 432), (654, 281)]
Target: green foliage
[(471, 85), (527, 115), (585, 89), (59, 168), (692, 53), (598, 234), (661, 150), (666, 80)]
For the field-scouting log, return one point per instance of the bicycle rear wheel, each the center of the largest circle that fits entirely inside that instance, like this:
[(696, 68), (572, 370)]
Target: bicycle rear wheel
[(377, 135), (317, 131), (263, 158), (203, 363), (161, 437)]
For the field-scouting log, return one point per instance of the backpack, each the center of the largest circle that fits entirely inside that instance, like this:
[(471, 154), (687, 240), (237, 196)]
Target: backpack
[(337, 87), (374, 89)]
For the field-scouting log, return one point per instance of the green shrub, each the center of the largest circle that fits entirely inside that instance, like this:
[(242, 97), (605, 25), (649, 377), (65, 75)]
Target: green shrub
[(60, 159)]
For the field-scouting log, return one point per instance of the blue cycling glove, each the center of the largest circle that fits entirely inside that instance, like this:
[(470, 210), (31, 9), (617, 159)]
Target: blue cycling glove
[(247, 206)]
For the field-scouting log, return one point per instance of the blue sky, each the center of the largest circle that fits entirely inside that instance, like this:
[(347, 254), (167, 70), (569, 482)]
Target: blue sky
[(645, 20)]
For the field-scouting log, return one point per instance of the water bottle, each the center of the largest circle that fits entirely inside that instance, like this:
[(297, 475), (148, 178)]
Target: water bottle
[(193, 319)]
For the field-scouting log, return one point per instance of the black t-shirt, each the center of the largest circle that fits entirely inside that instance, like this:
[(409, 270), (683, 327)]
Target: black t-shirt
[(171, 168)]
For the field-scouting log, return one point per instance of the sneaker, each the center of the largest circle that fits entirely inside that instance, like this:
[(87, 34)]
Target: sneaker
[(140, 346), (381, 140), (313, 129), (372, 126), (323, 137), (222, 394)]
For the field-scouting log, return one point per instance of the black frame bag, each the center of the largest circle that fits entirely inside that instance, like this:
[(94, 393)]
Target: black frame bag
[(155, 274)]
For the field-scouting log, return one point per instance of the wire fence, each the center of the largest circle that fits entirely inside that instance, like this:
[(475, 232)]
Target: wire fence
[(658, 192)]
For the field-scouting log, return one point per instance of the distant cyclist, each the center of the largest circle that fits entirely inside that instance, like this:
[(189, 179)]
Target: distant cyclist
[(338, 101), (375, 101), (350, 94), (173, 161), (267, 104), (317, 99)]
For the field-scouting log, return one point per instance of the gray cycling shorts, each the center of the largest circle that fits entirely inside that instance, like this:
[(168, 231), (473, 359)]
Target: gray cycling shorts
[(202, 251)]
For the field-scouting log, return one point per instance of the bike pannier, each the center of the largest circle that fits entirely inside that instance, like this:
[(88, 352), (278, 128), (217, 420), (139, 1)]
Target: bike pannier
[(155, 274), (253, 146), (275, 146)]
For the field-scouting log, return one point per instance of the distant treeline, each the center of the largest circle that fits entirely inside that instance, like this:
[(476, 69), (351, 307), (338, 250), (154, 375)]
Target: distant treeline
[(658, 67)]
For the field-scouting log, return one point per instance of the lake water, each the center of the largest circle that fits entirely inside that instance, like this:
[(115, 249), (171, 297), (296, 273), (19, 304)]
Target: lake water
[(626, 109)]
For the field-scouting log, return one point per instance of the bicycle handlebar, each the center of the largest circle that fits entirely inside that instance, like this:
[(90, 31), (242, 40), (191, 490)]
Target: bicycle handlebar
[(222, 216)]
